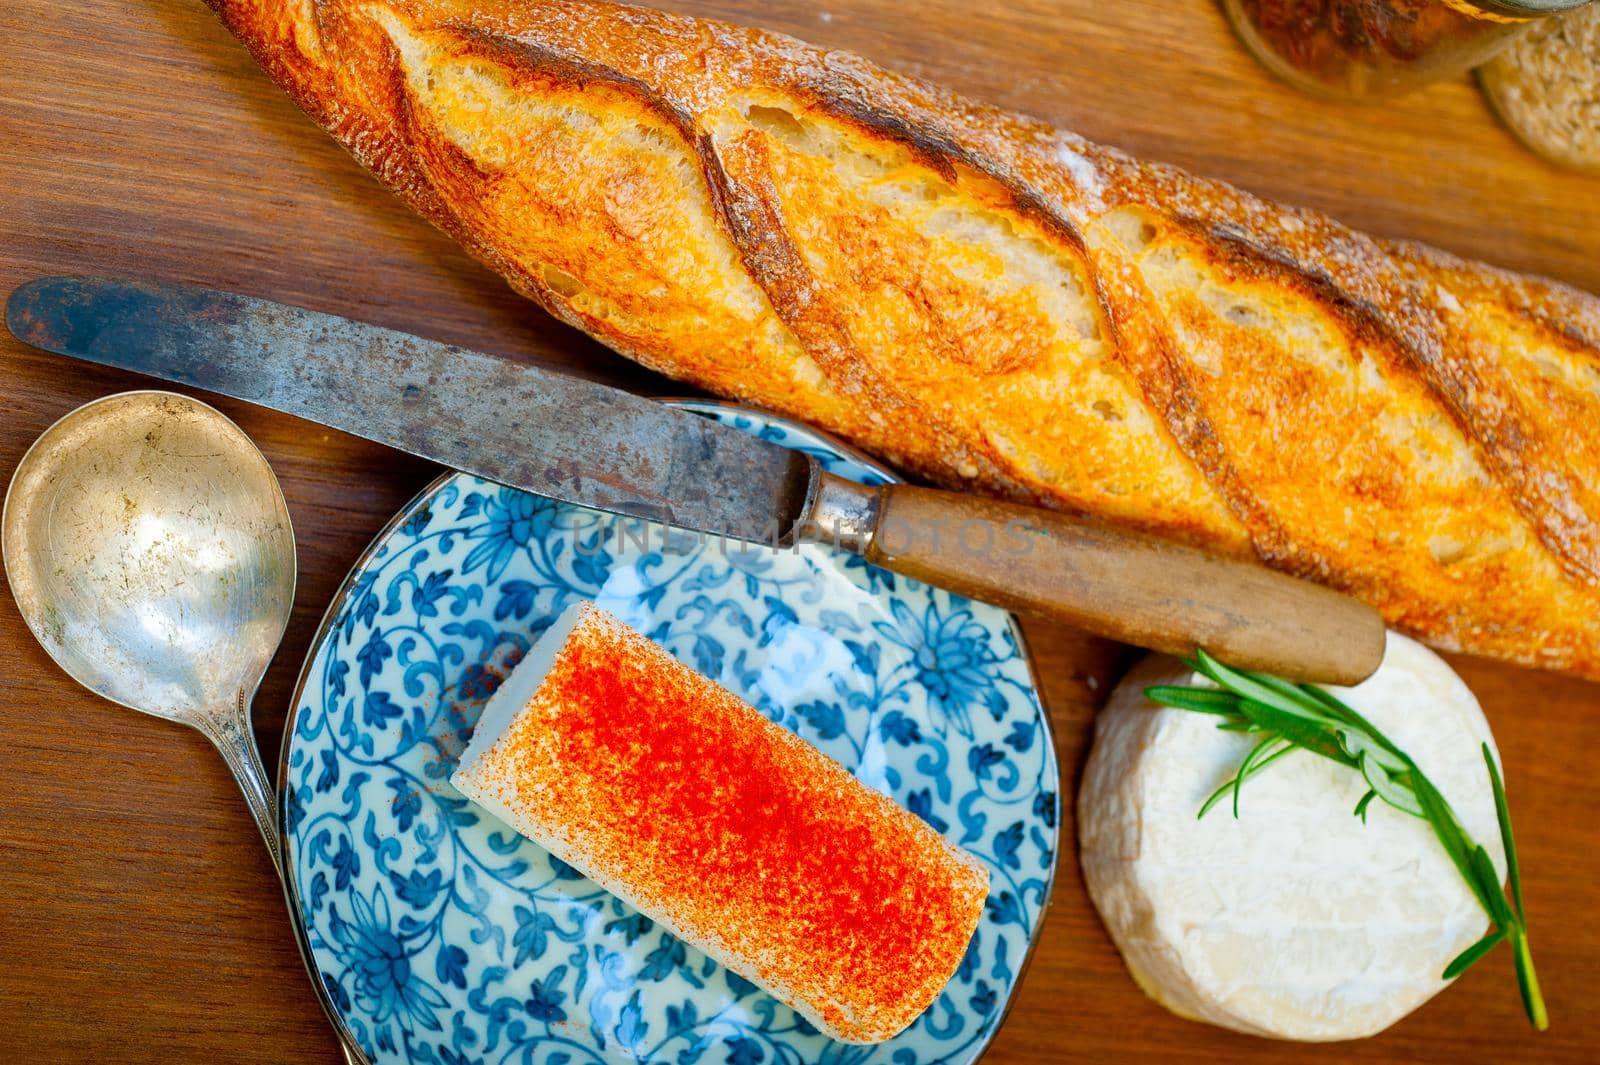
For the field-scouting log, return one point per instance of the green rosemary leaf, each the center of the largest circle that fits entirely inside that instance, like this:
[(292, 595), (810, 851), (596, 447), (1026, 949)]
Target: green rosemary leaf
[(1391, 791), (1217, 796), (1302, 732), (1239, 726), (1483, 867), (1331, 703), (1504, 814), (1214, 798), (1528, 982), (1278, 684), (1245, 767), (1250, 687), (1347, 713), (1437, 813), (1287, 748), (1366, 801), (1200, 700), (1359, 745), (1527, 978), (1467, 958), (1327, 699)]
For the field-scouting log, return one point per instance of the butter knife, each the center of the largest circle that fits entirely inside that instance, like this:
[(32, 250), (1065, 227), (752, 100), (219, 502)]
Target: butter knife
[(563, 437)]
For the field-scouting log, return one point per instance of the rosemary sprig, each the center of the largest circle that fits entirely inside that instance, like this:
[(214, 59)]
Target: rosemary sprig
[(1288, 717)]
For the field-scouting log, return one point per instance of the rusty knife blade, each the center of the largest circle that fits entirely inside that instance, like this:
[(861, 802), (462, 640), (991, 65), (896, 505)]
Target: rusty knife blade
[(518, 425)]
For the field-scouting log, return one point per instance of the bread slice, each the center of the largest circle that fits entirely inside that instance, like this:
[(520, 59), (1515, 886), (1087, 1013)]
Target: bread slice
[(993, 303), (723, 827)]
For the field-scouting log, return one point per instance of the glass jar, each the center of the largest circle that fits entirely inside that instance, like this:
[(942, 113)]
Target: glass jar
[(1362, 49)]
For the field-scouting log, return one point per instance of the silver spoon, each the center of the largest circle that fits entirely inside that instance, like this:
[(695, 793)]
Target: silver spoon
[(149, 549)]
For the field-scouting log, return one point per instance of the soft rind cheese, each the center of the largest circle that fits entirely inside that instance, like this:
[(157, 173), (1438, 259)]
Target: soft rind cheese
[(1297, 920)]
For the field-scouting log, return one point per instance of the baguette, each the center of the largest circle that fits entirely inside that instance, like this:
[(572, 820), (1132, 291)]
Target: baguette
[(993, 303)]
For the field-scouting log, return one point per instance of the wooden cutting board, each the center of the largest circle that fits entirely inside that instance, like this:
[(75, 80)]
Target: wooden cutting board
[(141, 921)]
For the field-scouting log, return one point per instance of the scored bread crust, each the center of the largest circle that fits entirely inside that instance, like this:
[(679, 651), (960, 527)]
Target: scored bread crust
[(994, 303)]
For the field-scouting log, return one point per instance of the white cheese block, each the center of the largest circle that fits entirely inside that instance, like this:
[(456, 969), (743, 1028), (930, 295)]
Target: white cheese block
[(1297, 920)]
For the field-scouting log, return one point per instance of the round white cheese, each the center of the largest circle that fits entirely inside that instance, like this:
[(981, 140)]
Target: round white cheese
[(1297, 920)]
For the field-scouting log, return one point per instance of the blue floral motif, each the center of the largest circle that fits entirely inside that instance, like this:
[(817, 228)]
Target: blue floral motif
[(545, 997), (954, 660), (380, 967), (515, 520), (441, 936)]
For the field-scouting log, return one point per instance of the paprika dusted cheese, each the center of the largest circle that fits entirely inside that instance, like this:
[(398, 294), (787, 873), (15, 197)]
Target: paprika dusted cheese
[(737, 835)]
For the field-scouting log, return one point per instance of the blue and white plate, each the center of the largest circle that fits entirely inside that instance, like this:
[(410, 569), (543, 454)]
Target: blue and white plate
[(443, 937)]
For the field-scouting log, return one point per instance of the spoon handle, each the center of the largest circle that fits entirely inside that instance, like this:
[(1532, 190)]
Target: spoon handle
[(229, 731)]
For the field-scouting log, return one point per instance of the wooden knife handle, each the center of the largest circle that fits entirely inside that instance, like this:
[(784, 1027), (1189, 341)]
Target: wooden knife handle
[(1138, 589)]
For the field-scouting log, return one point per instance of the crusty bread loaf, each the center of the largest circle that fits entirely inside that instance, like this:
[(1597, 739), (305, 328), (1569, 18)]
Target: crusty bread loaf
[(724, 827), (992, 302)]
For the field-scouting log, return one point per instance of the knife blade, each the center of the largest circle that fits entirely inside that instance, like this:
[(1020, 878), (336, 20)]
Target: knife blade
[(516, 424), (582, 442)]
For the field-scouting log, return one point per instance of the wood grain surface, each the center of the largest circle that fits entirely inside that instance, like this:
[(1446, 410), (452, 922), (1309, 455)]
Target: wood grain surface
[(141, 921)]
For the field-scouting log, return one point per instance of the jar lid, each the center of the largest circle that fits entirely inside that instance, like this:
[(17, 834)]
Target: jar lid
[(1517, 8)]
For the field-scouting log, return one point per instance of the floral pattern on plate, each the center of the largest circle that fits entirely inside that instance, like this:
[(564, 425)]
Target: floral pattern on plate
[(443, 937)]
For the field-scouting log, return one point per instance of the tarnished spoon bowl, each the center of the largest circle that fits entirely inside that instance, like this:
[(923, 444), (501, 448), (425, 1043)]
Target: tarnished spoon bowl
[(150, 551)]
